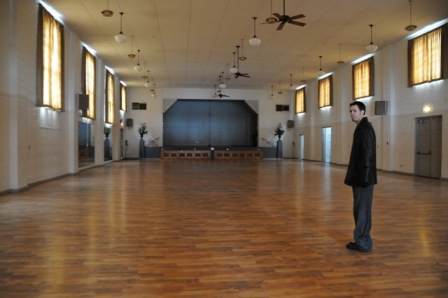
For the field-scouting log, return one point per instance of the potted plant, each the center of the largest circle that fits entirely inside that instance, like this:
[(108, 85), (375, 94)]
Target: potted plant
[(279, 131), (142, 130), (106, 131)]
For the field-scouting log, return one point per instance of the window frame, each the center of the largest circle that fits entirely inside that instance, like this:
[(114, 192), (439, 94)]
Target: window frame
[(371, 80), (55, 102), (330, 92), (109, 98), (303, 104), (443, 60), (91, 112), (123, 101)]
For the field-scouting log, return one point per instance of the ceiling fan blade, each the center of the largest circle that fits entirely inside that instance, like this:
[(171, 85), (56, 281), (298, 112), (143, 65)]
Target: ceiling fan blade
[(280, 27), (277, 15), (245, 75), (297, 23), (297, 17)]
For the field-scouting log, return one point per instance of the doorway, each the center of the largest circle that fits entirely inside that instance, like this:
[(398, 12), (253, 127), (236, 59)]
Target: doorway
[(86, 143), (301, 146), (326, 144), (121, 144), (428, 146)]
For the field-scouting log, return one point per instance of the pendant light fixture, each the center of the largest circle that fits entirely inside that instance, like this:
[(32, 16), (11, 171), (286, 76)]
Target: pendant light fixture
[(371, 48), (154, 91), (107, 12), (138, 67), (254, 41), (144, 76), (290, 82), (242, 57), (222, 85), (410, 27), (147, 84), (340, 62), (272, 92), (303, 75), (132, 55), (320, 72), (280, 88), (234, 69), (120, 38)]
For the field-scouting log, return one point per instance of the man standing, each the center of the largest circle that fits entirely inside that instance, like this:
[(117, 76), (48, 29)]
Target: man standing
[(361, 176)]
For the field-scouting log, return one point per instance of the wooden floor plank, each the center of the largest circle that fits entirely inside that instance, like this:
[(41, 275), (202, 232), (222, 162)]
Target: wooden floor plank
[(233, 228)]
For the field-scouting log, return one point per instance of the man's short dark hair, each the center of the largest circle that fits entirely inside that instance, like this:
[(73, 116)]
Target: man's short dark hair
[(361, 106)]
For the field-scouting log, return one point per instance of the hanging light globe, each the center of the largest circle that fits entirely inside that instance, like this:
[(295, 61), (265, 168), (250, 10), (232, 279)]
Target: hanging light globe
[(120, 38), (254, 41), (371, 48)]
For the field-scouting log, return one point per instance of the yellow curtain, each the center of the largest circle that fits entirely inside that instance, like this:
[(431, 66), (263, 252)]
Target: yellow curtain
[(427, 57), (361, 79), (90, 78), (52, 62), (325, 92), (300, 101), (110, 99), (123, 98)]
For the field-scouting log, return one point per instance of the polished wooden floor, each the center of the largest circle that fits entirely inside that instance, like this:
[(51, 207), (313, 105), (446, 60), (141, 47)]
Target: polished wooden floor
[(221, 229)]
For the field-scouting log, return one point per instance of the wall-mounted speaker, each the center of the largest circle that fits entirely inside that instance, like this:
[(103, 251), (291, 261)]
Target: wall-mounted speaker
[(290, 123), (83, 102), (129, 122), (380, 107)]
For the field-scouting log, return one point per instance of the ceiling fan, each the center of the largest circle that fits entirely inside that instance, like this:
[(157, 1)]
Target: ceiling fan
[(238, 73), (218, 93), (283, 19)]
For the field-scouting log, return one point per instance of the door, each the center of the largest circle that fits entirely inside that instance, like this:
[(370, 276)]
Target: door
[(428, 147), (326, 144), (121, 144), (301, 147)]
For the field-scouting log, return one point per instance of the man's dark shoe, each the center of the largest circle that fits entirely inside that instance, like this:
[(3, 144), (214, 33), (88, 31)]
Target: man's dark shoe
[(354, 246)]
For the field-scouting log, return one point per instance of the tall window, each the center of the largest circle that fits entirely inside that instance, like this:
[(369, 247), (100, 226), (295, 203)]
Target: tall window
[(363, 79), (122, 98), (109, 98), (50, 61), (425, 57), (326, 92), (89, 81), (300, 101)]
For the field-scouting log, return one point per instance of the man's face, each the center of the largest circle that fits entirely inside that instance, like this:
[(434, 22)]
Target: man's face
[(356, 114)]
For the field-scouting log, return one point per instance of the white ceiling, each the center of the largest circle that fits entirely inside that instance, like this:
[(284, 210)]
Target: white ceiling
[(189, 43)]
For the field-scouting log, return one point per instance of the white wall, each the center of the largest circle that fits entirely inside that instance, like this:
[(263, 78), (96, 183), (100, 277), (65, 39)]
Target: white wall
[(407, 105), (395, 131), (5, 94), (17, 89), (38, 143)]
